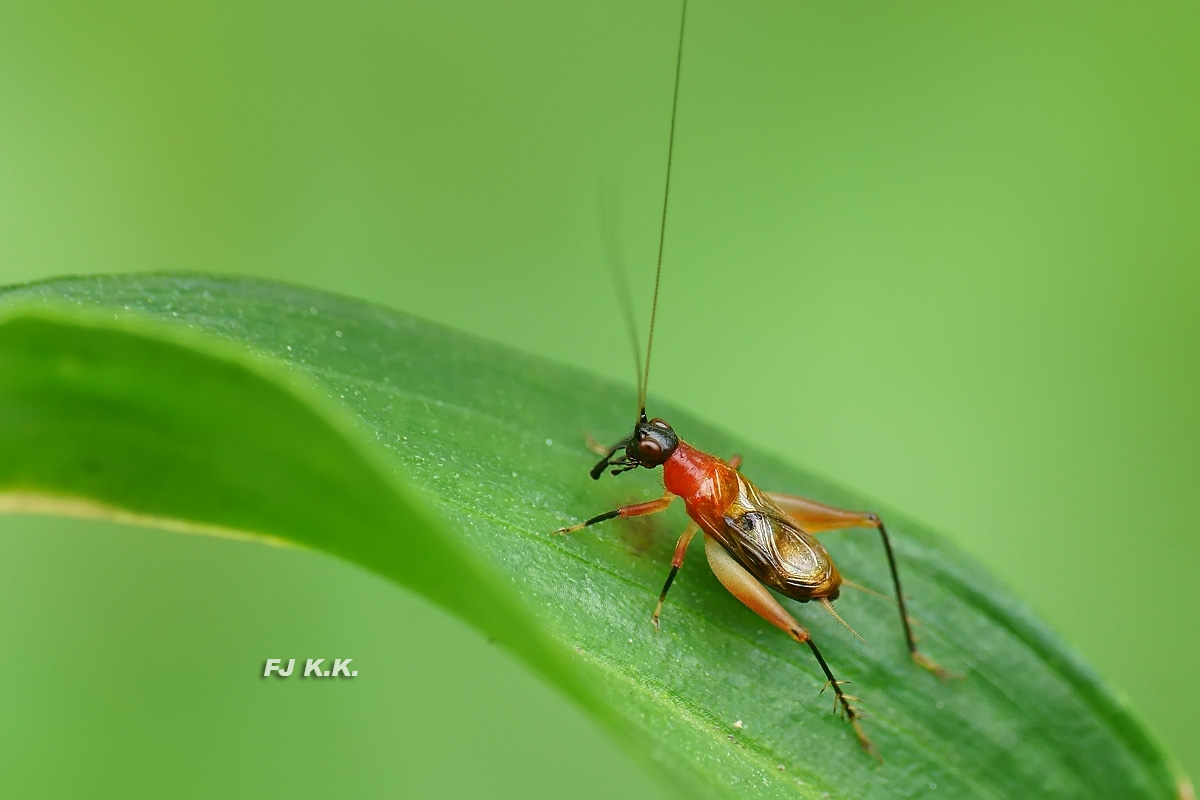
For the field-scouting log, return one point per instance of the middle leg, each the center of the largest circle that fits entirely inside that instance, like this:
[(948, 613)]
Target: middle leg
[(680, 551)]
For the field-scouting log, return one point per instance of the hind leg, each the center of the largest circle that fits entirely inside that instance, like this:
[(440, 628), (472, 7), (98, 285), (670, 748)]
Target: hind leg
[(814, 517), (742, 585)]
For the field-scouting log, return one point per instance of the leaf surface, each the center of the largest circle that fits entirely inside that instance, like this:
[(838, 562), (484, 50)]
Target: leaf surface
[(442, 462)]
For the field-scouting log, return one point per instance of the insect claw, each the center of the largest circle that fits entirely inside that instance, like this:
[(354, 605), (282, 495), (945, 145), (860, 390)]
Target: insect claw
[(865, 743), (598, 518), (931, 665), (854, 713)]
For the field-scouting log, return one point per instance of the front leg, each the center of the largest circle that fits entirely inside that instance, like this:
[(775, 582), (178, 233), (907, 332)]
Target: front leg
[(633, 510)]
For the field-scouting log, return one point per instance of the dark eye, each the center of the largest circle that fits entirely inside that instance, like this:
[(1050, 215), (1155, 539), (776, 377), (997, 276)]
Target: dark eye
[(650, 449)]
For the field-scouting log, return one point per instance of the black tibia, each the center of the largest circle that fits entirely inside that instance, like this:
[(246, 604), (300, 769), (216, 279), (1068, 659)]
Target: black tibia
[(681, 547), (853, 715), (851, 711), (816, 517), (662, 596), (616, 512), (634, 510), (887, 546)]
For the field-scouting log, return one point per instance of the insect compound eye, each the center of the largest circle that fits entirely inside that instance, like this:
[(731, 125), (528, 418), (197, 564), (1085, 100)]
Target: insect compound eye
[(650, 450), (655, 446)]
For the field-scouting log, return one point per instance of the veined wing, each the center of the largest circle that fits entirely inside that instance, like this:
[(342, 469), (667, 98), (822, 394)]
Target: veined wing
[(766, 541)]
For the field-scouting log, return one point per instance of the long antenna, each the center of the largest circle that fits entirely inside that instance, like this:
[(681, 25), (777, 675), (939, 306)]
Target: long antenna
[(662, 231)]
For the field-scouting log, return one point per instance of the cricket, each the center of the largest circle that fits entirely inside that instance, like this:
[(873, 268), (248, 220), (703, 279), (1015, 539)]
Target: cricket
[(753, 539)]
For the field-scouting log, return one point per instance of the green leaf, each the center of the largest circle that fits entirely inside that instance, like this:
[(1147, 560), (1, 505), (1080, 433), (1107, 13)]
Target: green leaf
[(443, 462)]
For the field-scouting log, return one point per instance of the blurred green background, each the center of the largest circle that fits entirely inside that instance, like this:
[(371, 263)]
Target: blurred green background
[(944, 253)]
